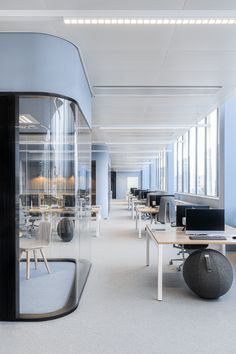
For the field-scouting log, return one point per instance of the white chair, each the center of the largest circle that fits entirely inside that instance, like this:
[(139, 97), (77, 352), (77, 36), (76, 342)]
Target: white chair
[(34, 244)]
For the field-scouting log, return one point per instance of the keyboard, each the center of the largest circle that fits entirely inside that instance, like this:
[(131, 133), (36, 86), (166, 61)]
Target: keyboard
[(207, 237)]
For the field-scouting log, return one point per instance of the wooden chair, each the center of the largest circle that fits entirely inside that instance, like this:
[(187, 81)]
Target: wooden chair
[(36, 244)]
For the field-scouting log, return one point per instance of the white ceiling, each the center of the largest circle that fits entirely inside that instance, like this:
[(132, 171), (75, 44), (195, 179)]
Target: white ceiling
[(142, 57)]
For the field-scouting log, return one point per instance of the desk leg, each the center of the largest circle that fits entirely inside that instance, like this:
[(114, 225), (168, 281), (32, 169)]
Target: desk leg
[(223, 250), (98, 219), (147, 249), (128, 203), (139, 224), (159, 280), (133, 211), (136, 220)]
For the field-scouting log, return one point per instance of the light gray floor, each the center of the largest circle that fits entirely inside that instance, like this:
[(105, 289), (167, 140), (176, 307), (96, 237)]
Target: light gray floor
[(118, 313), (44, 292)]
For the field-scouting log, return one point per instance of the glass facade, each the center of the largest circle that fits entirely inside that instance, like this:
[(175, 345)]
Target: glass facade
[(201, 157), (161, 171), (211, 151), (195, 155), (54, 204)]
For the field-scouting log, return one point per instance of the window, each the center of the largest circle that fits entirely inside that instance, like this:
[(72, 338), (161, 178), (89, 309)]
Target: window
[(163, 171), (201, 157), (175, 167), (195, 158), (192, 160), (185, 163), (211, 151), (180, 165)]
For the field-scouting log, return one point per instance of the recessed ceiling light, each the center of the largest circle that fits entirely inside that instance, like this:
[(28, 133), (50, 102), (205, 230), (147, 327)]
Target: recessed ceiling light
[(149, 21)]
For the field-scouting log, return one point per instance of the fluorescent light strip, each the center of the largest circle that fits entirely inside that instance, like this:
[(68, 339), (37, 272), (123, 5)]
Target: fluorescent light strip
[(145, 127), (148, 21)]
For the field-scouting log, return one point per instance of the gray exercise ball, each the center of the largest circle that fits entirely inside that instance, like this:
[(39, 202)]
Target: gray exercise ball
[(208, 273), (65, 229)]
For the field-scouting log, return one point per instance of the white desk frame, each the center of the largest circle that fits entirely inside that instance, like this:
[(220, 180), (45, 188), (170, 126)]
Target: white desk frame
[(143, 210), (97, 210), (174, 236)]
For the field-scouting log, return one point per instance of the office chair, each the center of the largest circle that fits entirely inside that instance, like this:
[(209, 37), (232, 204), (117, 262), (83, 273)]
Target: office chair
[(185, 249), (39, 242), (167, 210)]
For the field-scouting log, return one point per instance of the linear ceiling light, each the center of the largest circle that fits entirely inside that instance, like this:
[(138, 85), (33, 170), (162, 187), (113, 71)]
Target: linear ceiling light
[(27, 119), (148, 21), (155, 91), (146, 127)]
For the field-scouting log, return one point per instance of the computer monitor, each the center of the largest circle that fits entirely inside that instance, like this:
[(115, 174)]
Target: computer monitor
[(68, 201), (155, 199), (49, 199), (30, 200), (181, 212), (136, 192), (132, 190), (143, 194), (34, 200), (204, 220)]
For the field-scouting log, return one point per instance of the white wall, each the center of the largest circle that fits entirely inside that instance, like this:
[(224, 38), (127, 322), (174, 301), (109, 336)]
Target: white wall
[(121, 182)]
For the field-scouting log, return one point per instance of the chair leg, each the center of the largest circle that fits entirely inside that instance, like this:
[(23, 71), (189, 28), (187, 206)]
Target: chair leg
[(27, 265), (45, 260), (35, 259)]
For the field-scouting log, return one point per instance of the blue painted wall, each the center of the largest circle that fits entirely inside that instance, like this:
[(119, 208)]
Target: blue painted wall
[(34, 62), (228, 112), (121, 182), (101, 157)]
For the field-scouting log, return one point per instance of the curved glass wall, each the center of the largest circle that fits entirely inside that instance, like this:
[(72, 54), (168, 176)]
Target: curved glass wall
[(54, 205)]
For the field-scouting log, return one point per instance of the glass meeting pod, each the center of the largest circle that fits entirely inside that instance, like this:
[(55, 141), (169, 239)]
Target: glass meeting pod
[(51, 187), (45, 110)]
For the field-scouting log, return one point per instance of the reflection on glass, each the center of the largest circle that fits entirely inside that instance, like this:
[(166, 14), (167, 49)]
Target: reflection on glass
[(192, 160), (54, 189), (201, 157), (212, 154)]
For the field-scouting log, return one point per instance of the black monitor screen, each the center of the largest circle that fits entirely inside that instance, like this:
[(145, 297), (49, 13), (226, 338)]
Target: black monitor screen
[(34, 200), (136, 192), (205, 219), (30, 200), (132, 190), (181, 211), (143, 194), (69, 201)]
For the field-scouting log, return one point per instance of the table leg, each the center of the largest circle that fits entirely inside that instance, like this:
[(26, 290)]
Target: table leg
[(223, 250), (128, 203), (147, 249), (159, 279), (133, 210), (139, 224), (136, 220), (98, 224)]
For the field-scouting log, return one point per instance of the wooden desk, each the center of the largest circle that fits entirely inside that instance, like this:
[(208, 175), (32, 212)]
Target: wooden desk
[(173, 236), (52, 211), (139, 212)]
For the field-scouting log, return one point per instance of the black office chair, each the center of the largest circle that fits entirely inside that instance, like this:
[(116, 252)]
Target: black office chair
[(185, 249)]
